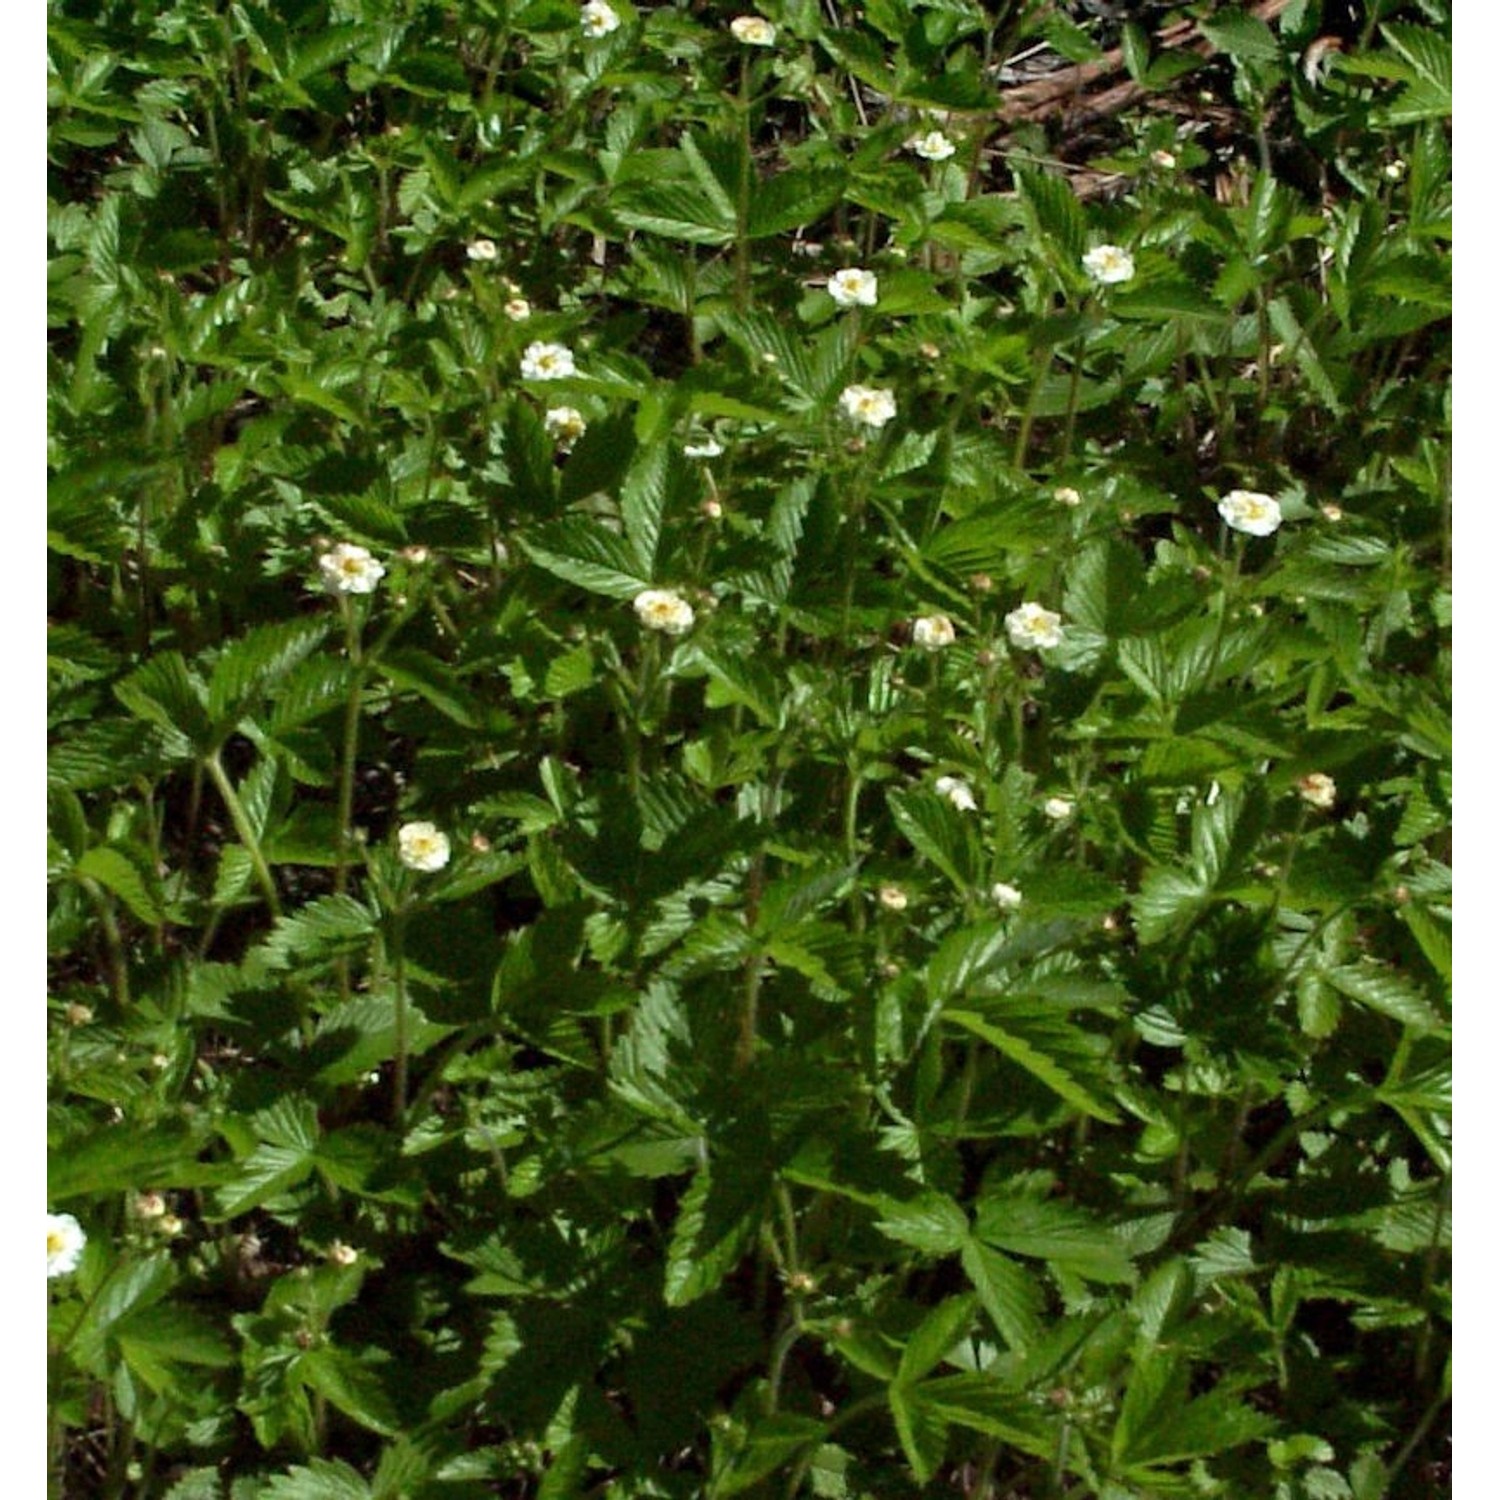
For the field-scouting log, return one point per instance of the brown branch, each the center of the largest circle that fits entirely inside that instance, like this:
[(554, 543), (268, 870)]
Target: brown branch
[(1063, 92)]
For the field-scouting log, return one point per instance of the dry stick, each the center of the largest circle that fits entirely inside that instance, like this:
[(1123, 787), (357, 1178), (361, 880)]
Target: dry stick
[(1035, 101)]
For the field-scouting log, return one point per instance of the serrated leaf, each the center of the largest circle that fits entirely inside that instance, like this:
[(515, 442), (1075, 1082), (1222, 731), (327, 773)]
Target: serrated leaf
[(1042, 1229), (1055, 214), (1388, 992), (770, 1443), (922, 1430), (321, 1479), (250, 665), (582, 552), (1244, 37), (716, 1224), (433, 680), (931, 1222), (352, 1387), (331, 924), (1045, 1068), (936, 831), (122, 877), (792, 199), (1007, 1292), (935, 1336)]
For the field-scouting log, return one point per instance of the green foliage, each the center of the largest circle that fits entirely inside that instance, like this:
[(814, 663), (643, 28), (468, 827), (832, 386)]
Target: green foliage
[(591, 954)]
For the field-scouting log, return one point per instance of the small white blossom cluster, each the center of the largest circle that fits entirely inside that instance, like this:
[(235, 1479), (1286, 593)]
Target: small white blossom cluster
[(65, 1242), (422, 847), (481, 250), (933, 632), (753, 31), (867, 405), (1058, 808), (934, 146), (664, 610), (1006, 897), (517, 309), (598, 19), (852, 287), (564, 425), (956, 791), (1109, 264), (547, 362), (1032, 628), (348, 569), (1318, 790), (1251, 512)]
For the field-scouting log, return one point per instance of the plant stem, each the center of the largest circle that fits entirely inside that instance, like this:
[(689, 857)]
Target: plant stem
[(347, 762), (398, 978), (243, 828)]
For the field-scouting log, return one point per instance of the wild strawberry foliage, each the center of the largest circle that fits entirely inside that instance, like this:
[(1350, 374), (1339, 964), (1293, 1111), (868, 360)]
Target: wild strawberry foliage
[(749, 781)]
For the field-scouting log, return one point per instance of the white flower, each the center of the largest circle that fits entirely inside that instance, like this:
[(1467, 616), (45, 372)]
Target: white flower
[(1395, 170), (708, 448), (564, 425), (65, 1242), (481, 250), (1006, 897), (1332, 512), (1066, 495), (340, 1254), (518, 309), (934, 146), (933, 632), (1032, 628), (664, 610), (547, 362), (892, 897), (149, 1205), (753, 31), (1317, 790), (422, 847), (598, 19), (868, 406), (852, 287), (957, 791), (350, 570), (1250, 512), (1163, 159), (1058, 808), (1108, 264)]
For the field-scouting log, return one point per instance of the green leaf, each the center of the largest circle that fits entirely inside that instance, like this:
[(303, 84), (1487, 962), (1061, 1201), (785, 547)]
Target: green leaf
[(1244, 37), (123, 1158), (321, 1479), (792, 199), (935, 830), (352, 1387), (122, 877), (130, 1288), (582, 552), (1055, 214), (931, 1222), (1036, 1061), (1007, 1292), (716, 1225), (1389, 993), (164, 692), (1053, 1231), (921, 1428), (770, 1443), (935, 1336)]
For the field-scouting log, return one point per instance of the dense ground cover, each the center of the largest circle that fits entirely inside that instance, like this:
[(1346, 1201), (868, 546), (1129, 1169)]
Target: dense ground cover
[(749, 786)]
